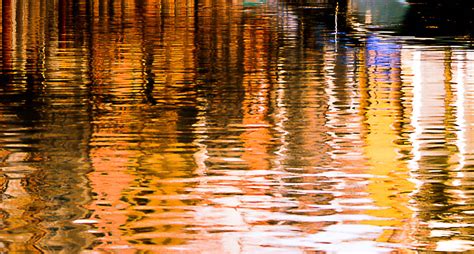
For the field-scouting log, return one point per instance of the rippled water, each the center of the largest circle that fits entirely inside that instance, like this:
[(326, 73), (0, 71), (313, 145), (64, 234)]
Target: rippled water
[(235, 127)]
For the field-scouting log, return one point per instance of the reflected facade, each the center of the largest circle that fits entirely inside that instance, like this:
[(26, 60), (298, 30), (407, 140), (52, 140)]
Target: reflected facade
[(230, 126)]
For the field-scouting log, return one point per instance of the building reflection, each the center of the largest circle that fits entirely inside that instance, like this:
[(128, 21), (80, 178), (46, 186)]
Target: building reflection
[(432, 94), (7, 33), (439, 18), (440, 147), (180, 125), (381, 87), (375, 14), (143, 90), (44, 165)]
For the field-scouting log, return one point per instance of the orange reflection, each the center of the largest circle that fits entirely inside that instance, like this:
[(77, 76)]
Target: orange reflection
[(167, 127), (139, 78), (7, 33), (108, 181), (257, 84)]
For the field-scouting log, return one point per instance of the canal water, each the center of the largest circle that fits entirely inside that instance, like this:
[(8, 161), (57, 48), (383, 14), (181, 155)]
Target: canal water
[(235, 127)]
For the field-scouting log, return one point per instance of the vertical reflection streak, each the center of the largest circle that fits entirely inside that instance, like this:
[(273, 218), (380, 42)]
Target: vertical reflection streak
[(8, 33), (415, 137), (460, 115)]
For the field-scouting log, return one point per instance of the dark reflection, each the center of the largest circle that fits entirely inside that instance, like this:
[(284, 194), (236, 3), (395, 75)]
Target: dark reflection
[(439, 18), (7, 31), (244, 126), (43, 138)]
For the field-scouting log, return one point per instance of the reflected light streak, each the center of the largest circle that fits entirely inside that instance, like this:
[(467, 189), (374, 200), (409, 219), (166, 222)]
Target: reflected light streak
[(415, 119), (460, 115)]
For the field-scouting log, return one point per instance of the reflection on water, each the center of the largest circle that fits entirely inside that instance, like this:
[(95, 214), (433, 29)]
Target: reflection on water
[(231, 127), (439, 18), (380, 14)]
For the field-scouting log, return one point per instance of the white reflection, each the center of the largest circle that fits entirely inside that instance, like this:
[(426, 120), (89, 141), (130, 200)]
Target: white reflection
[(441, 106)]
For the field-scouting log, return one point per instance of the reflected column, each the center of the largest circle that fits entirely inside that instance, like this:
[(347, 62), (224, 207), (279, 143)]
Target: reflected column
[(7, 33), (382, 109), (431, 140)]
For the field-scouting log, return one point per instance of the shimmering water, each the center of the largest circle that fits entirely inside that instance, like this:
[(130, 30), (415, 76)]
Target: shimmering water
[(235, 127)]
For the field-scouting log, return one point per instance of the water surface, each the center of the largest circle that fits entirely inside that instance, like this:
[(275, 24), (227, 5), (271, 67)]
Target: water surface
[(234, 127)]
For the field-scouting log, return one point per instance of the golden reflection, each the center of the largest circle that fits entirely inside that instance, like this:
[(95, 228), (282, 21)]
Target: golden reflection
[(38, 185), (181, 126), (382, 108), (14, 207), (139, 209)]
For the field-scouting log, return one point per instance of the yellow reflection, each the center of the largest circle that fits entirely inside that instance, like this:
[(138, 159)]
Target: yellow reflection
[(381, 87)]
